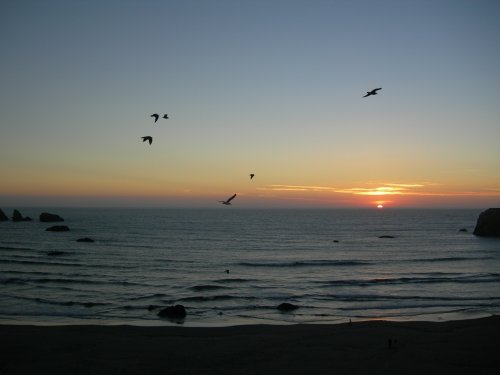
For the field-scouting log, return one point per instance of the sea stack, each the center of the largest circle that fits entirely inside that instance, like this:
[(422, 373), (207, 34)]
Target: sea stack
[(488, 223), (45, 217), (16, 216), (3, 217)]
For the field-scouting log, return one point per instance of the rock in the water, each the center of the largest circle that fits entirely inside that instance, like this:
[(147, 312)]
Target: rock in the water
[(153, 307), (173, 312), (463, 230), (287, 307), (16, 216), (386, 236), (55, 253), (488, 223), (45, 217), (3, 217), (58, 228), (86, 239)]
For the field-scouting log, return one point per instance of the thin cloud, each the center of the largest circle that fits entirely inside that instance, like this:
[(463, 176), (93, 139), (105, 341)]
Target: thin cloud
[(405, 185), (297, 188), (384, 189), (413, 190)]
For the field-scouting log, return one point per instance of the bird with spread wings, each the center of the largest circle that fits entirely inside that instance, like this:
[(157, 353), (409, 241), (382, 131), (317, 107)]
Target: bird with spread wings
[(373, 92), (227, 202)]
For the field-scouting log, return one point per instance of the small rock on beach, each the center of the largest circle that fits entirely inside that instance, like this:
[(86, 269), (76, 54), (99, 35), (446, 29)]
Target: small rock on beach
[(173, 312)]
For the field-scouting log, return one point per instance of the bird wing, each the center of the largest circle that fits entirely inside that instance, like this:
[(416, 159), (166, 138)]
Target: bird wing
[(367, 94), (155, 116), (375, 90), (230, 199)]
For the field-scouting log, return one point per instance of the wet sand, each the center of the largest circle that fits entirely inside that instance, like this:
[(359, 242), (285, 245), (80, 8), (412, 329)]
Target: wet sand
[(375, 347)]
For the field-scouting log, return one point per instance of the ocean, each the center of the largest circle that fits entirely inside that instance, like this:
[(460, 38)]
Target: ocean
[(231, 266)]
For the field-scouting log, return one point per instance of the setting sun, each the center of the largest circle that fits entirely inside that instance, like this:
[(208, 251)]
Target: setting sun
[(380, 206)]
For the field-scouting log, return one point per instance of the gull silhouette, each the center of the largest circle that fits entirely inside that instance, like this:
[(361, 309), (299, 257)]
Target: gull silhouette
[(251, 175), (156, 116), (165, 116), (147, 138), (227, 202), (373, 92)]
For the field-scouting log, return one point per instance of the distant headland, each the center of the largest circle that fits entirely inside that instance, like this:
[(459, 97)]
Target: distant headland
[(488, 223)]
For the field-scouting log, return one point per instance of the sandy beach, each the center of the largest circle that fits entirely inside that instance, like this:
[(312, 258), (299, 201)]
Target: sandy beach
[(373, 347)]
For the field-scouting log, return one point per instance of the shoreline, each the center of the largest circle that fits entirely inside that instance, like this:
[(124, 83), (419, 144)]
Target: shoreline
[(223, 321), (375, 347)]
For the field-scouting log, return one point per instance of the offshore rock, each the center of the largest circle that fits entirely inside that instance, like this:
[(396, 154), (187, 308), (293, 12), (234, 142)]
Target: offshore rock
[(3, 217), (488, 223), (45, 217), (58, 228), (55, 253), (287, 307), (16, 216), (86, 239), (173, 312)]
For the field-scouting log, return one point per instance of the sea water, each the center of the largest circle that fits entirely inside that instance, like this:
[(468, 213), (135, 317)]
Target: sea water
[(235, 266)]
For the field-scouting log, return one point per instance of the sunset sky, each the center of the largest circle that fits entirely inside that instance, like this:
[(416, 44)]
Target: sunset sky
[(271, 87)]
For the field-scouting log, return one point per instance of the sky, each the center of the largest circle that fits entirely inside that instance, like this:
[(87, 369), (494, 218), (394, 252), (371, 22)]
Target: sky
[(270, 87)]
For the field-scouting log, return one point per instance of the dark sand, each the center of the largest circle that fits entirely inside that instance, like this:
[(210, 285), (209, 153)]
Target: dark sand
[(458, 347)]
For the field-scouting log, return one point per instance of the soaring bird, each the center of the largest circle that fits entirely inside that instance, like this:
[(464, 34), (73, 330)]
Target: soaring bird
[(251, 175), (147, 138), (373, 92), (227, 202), (165, 116), (156, 116)]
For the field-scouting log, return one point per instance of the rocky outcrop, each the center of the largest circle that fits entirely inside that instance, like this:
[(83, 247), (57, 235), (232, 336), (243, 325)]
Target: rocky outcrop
[(173, 312), (58, 228), (46, 217), (488, 223), (16, 216), (386, 236), (3, 217), (85, 239), (287, 307)]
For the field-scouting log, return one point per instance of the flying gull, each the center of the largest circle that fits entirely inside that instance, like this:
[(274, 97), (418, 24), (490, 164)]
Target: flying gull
[(156, 116), (147, 138), (228, 201), (251, 175), (373, 92), (165, 116)]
